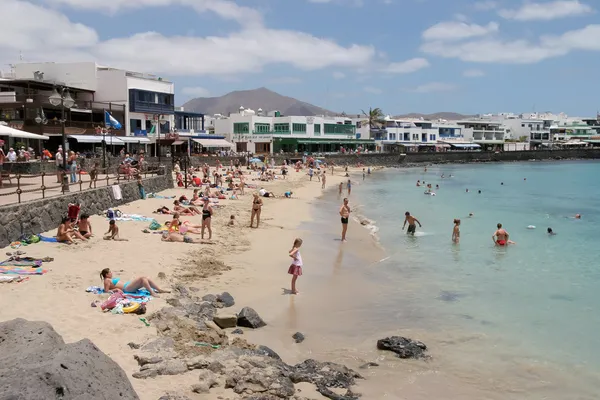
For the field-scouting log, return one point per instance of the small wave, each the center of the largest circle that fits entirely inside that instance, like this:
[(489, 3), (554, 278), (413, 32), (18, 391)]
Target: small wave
[(369, 224)]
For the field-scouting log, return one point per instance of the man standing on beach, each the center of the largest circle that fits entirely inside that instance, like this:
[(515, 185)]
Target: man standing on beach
[(323, 180), (412, 227), (345, 214)]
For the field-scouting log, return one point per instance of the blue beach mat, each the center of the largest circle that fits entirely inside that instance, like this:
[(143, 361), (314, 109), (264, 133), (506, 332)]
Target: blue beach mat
[(48, 239), (141, 296)]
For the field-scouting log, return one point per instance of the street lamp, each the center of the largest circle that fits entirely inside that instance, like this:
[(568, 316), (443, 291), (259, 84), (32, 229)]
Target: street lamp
[(64, 100)]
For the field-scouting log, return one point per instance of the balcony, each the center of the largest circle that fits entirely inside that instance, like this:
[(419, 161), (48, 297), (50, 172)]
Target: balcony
[(71, 128), (151, 108), (10, 99), (143, 101)]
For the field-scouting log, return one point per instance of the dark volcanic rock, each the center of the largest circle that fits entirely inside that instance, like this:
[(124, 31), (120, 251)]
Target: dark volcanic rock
[(249, 318), (226, 299), (35, 363), (265, 351), (211, 298), (237, 331), (324, 374), (403, 347), (298, 337)]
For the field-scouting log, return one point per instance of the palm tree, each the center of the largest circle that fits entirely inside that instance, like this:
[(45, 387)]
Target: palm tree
[(375, 119)]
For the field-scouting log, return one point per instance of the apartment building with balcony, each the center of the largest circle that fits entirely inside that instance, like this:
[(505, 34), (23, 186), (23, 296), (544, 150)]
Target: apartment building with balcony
[(142, 103), (255, 132)]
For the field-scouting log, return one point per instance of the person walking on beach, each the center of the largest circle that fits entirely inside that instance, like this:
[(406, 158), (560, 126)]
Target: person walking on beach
[(345, 214), (349, 186), (323, 180), (500, 237), (296, 268), (456, 231), (364, 174), (412, 227), (341, 188), (310, 173)]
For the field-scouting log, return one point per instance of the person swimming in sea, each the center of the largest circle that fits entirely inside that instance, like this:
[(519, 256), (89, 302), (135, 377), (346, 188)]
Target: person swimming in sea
[(551, 232)]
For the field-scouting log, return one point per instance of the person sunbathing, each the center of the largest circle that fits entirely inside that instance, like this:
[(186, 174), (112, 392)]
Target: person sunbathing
[(185, 227), (178, 237), (132, 286), (185, 210)]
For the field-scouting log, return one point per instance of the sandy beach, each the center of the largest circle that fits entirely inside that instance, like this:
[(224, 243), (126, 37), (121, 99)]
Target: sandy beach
[(251, 264)]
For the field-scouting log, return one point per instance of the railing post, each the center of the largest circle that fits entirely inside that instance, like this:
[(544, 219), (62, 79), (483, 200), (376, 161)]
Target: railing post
[(43, 185), (19, 187), (107, 178), (80, 181)]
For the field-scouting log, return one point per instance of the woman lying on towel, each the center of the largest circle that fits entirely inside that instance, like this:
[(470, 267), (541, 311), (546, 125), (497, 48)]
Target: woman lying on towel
[(132, 286), (184, 210)]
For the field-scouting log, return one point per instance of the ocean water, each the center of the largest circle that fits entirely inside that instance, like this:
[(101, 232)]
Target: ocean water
[(519, 322)]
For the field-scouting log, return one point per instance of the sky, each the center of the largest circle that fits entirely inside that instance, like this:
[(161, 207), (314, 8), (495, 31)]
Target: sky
[(402, 56)]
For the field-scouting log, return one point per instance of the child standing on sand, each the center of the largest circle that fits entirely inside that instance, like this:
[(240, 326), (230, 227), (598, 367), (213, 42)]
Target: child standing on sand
[(296, 268)]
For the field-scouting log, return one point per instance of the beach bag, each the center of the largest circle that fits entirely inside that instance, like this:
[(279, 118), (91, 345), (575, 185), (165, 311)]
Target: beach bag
[(141, 309), (112, 301), (154, 225)]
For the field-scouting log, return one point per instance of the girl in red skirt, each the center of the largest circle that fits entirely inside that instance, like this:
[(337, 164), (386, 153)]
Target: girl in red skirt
[(296, 268)]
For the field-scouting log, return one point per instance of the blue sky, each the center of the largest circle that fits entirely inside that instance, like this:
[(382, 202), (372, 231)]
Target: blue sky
[(344, 55)]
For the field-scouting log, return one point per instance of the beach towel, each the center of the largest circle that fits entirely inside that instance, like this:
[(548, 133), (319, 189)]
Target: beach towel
[(141, 296), (133, 217), (30, 263), (116, 189), (48, 239), (10, 279), (158, 196), (10, 270)]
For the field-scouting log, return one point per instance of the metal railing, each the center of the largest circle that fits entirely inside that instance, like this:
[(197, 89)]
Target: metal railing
[(44, 189)]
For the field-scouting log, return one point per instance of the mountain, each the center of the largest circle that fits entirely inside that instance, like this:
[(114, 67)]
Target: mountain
[(450, 116), (254, 99)]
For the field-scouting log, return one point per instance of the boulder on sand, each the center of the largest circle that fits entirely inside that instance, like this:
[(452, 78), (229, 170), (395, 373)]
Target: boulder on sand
[(403, 347), (249, 318), (35, 363), (225, 321)]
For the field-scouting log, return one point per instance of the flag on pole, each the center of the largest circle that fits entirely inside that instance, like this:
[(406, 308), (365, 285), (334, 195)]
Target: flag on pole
[(111, 122)]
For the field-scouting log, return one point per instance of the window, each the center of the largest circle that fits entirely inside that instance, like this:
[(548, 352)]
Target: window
[(339, 129), (135, 125), (530, 125), (432, 137), (241, 127), (262, 128), (407, 137), (317, 128), (281, 128), (299, 128), (415, 136), (522, 125)]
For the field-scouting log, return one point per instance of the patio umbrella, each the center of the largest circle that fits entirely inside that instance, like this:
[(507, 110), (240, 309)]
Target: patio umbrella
[(15, 133), (255, 160)]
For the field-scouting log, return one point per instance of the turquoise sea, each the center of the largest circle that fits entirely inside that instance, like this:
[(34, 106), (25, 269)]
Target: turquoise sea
[(517, 322)]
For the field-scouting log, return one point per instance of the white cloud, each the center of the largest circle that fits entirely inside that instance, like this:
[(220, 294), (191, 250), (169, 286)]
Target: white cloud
[(245, 51), (406, 67), (473, 73), (225, 9), (461, 17), (517, 51), (372, 90), (338, 75), (547, 11), (485, 5), (434, 87), (195, 91), (455, 30)]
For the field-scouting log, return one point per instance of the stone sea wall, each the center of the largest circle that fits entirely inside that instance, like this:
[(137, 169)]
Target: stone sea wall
[(45, 214)]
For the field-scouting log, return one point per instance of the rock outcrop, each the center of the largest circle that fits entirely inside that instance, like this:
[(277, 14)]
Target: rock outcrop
[(35, 363), (403, 347)]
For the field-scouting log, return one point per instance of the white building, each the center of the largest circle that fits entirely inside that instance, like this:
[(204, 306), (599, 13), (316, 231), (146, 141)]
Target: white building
[(253, 132), (147, 100)]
